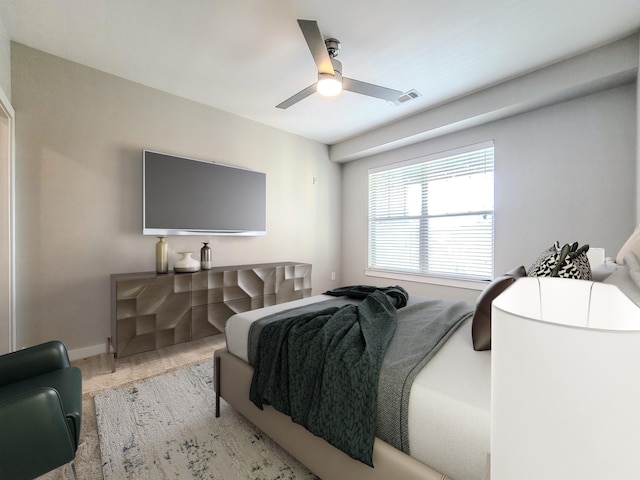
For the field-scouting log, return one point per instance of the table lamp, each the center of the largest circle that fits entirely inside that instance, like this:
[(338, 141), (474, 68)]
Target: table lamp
[(565, 393)]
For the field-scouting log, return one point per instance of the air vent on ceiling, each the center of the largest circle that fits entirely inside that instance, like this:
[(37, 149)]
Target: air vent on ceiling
[(406, 96)]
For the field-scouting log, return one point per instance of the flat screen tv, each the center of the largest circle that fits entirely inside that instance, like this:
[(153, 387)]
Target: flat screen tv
[(185, 196)]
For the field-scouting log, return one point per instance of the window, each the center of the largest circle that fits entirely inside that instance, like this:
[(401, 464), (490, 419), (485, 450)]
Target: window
[(433, 215)]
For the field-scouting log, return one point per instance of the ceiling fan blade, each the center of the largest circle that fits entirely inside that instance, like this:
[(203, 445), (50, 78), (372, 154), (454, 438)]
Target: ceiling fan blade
[(370, 90), (316, 44), (301, 95)]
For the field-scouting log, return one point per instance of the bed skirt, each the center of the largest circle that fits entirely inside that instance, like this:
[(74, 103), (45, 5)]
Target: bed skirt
[(232, 382)]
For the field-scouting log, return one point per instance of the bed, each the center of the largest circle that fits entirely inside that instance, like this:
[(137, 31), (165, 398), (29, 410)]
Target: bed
[(436, 403), (448, 407)]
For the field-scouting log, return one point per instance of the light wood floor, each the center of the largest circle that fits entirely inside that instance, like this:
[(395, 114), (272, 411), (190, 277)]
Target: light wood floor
[(96, 371)]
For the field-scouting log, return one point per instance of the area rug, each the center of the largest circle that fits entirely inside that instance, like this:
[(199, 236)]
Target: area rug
[(165, 427)]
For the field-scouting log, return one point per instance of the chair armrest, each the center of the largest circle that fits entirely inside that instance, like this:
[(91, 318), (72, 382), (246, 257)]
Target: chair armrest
[(33, 361), (35, 438)]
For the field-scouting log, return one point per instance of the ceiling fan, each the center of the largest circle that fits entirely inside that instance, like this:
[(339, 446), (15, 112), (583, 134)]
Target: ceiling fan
[(330, 80)]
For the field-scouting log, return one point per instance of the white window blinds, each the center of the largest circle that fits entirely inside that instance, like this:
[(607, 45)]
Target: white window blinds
[(434, 215)]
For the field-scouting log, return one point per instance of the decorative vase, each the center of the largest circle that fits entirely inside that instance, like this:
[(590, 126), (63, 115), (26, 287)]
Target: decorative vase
[(162, 256), (205, 256), (187, 263)]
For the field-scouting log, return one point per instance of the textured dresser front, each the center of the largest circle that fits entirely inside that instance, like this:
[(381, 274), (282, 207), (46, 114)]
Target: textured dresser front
[(150, 311)]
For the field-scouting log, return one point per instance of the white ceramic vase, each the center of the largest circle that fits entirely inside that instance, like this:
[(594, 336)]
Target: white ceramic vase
[(186, 263)]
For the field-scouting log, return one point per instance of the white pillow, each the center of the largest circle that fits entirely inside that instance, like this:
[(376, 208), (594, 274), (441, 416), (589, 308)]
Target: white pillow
[(631, 245), (606, 268), (627, 279), (632, 262)]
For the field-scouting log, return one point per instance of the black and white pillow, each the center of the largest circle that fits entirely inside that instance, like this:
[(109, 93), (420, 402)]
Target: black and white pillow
[(567, 261)]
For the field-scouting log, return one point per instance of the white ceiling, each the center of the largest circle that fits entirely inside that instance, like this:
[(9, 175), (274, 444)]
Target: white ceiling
[(246, 56)]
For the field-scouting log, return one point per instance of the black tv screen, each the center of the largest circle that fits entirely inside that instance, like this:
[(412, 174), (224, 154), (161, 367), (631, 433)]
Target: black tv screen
[(185, 196)]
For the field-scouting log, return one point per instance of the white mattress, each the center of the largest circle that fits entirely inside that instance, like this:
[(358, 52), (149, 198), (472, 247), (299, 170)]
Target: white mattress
[(449, 406), (450, 409)]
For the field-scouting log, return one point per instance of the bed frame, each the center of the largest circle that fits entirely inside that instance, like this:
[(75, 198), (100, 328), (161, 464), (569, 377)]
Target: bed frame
[(232, 383)]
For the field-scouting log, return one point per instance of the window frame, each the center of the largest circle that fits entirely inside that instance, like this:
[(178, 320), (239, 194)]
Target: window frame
[(435, 277)]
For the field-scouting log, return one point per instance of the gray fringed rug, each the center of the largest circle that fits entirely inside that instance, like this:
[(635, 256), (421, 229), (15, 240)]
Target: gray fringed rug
[(165, 428)]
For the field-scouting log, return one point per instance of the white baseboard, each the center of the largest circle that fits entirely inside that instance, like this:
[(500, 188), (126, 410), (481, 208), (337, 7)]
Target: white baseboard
[(85, 352)]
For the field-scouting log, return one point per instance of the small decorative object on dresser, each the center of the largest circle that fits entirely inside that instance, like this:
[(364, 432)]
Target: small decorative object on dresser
[(162, 256), (186, 264), (205, 256)]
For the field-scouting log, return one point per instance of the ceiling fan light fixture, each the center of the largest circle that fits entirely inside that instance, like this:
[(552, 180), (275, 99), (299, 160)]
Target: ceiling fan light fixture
[(330, 80), (329, 85)]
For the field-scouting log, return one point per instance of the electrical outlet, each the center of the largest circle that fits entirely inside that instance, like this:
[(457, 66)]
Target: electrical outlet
[(333, 275)]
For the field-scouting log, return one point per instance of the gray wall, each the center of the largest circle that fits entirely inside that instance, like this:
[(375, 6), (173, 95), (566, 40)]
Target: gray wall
[(638, 137), (79, 140), (565, 172), (5, 61)]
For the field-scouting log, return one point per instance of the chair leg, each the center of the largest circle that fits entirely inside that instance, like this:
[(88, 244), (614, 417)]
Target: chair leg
[(72, 471)]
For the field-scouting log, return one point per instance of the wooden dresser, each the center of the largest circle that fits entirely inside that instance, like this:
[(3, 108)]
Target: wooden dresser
[(150, 310)]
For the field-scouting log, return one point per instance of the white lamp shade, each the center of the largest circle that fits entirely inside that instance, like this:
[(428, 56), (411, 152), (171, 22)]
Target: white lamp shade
[(565, 386)]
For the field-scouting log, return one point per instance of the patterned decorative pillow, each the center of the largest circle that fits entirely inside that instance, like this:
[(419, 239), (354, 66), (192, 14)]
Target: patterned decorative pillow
[(543, 259), (567, 261)]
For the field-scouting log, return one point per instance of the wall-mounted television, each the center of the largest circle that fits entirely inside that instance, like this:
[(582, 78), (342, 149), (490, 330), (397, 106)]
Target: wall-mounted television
[(185, 196)]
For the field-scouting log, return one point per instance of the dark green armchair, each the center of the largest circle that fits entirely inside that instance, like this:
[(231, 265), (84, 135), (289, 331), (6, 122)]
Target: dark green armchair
[(40, 411)]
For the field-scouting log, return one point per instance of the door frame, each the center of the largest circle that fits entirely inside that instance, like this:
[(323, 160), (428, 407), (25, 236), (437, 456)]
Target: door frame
[(7, 111)]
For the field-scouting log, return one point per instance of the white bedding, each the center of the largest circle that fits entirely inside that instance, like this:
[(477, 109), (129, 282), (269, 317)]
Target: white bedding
[(450, 409), (449, 406)]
